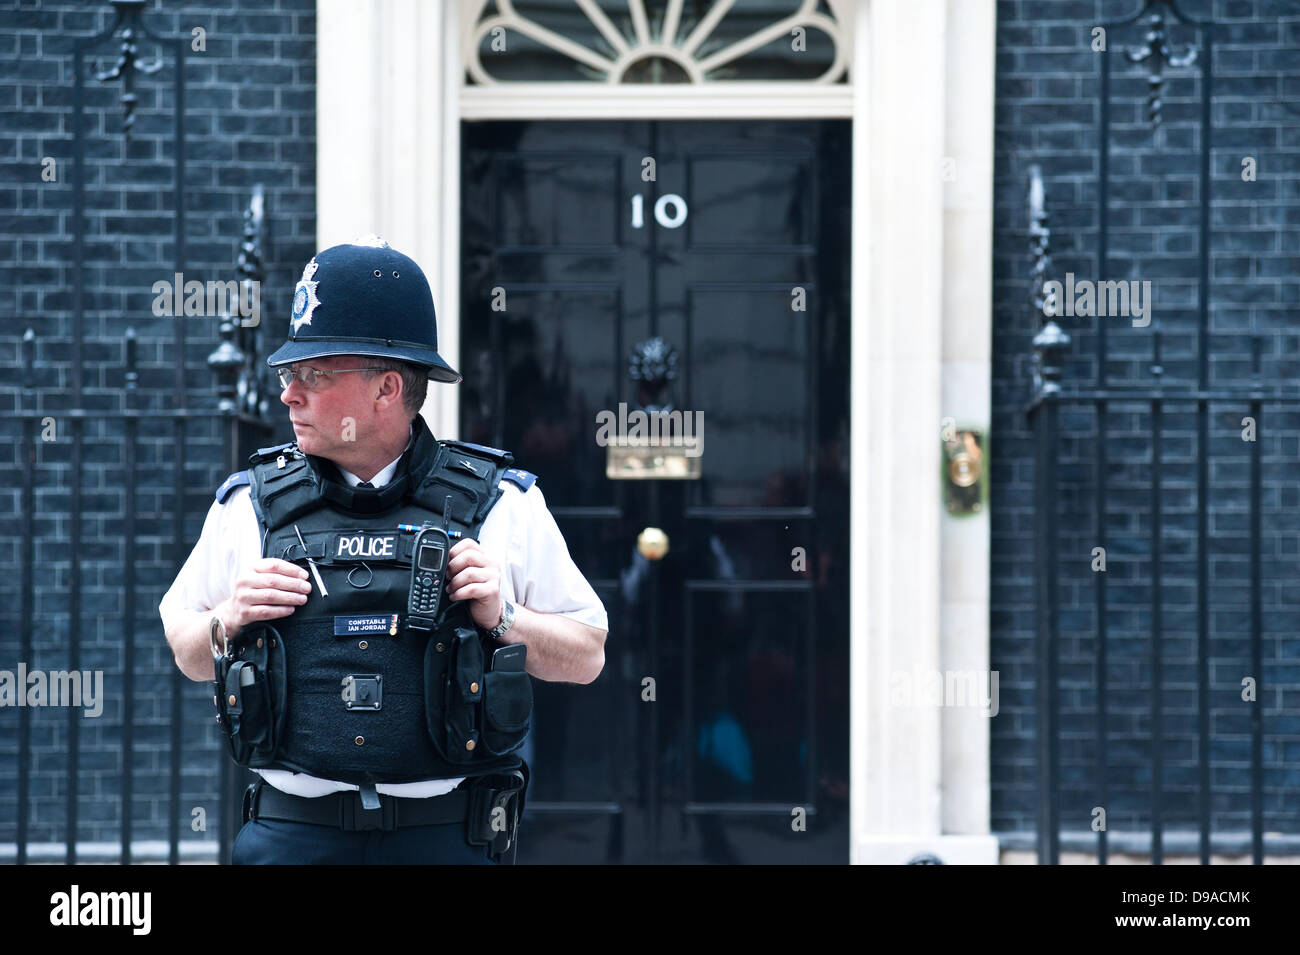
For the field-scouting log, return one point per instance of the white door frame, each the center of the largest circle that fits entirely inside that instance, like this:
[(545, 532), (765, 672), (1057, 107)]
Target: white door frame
[(389, 105)]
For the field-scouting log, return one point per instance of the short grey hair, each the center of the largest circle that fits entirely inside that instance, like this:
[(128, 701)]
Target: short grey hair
[(415, 381)]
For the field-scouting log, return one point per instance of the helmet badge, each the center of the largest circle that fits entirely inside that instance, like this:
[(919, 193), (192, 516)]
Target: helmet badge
[(304, 298)]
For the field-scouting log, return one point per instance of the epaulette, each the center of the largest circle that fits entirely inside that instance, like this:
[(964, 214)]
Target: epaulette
[(520, 478), (501, 457), (238, 479), (469, 475), (277, 476), (289, 449)]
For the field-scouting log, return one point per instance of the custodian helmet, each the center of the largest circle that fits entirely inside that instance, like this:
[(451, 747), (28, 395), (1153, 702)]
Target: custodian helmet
[(364, 298)]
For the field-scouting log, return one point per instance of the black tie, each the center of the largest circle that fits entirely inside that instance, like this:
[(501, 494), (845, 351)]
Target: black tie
[(366, 484)]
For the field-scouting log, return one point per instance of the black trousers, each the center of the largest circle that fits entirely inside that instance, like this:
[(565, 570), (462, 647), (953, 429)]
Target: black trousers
[(277, 842)]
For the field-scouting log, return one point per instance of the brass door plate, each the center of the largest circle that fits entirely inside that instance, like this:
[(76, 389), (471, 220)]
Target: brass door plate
[(964, 472), (630, 460)]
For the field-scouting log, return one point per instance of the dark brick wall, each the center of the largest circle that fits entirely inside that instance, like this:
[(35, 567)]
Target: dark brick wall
[(250, 117), (1047, 112)]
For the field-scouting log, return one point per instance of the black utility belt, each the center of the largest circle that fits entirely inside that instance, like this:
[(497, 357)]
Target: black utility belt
[(344, 810)]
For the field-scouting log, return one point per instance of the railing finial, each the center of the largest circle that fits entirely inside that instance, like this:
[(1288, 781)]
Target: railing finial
[(1051, 340)]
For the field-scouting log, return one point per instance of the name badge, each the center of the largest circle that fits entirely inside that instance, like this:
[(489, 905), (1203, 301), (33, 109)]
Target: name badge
[(366, 623), (362, 546)]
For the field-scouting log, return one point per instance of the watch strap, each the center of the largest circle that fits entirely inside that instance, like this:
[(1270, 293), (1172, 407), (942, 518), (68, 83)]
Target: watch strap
[(507, 620)]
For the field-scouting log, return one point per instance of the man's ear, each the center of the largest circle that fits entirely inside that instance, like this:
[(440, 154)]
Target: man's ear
[(387, 388)]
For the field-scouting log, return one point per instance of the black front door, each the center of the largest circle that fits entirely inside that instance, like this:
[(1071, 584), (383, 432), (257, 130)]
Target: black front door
[(702, 267)]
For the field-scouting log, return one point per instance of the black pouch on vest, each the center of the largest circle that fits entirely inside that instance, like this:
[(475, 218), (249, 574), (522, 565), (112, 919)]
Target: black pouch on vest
[(453, 692), (507, 707), (437, 661), (251, 696), (464, 695)]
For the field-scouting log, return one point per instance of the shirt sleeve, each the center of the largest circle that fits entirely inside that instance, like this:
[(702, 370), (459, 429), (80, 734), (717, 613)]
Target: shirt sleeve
[(229, 540), (544, 577)]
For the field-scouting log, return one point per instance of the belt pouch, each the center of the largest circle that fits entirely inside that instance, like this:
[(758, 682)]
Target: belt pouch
[(478, 821)]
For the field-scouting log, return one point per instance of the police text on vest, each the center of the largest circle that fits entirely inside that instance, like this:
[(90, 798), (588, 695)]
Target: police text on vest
[(363, 545)]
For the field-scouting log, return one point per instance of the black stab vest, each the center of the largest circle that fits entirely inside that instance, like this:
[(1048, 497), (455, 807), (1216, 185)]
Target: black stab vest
[(343, 688)]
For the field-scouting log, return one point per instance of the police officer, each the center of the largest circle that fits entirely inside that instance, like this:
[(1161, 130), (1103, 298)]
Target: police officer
[(301, 583)]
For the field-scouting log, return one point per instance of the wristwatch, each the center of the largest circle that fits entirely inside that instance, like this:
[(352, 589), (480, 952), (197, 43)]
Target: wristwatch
[(507, 621)]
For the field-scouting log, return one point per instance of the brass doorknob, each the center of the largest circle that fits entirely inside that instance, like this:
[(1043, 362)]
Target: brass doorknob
[(652, 543), (963, 469)]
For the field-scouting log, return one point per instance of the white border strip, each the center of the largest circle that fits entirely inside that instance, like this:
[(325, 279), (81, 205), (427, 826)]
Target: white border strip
[(714, 101)]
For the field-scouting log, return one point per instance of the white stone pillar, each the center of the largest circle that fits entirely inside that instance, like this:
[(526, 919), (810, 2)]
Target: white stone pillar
[(904, 126), (388, 148), (967, 370)]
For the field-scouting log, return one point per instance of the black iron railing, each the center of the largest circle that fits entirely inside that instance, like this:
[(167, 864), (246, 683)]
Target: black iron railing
[(242, 387), (1172, 532)]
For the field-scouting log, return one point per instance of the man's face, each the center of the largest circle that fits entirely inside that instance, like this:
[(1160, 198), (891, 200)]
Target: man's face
[(331, 416)]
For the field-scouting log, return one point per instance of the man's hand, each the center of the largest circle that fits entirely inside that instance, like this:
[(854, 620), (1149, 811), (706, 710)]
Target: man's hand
[(474, 576), (559, 649), (273, 588)]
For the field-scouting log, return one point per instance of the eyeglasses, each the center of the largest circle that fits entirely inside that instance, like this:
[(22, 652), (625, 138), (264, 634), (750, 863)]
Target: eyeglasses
[(309, 376)]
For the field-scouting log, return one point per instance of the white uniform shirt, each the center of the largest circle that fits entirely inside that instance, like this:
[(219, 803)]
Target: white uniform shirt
[(519, 533)]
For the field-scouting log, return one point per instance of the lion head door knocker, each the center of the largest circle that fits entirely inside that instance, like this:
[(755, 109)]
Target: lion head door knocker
[(652, 365), (654, 440)]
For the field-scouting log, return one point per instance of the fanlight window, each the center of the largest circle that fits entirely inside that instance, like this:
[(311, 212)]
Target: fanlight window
[(656, 41)]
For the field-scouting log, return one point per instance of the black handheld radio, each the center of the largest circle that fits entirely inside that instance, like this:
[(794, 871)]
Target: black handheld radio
[(428, 566)]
